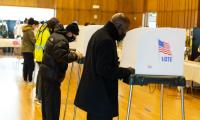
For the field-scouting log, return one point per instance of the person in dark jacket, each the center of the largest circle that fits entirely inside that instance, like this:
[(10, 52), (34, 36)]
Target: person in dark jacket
[(54, 64), (98, 89), (27, 49), (42, 36)]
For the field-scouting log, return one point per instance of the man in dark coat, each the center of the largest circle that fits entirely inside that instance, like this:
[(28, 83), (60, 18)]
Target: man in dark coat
[(98, 89), (42, 36), (54, 64)]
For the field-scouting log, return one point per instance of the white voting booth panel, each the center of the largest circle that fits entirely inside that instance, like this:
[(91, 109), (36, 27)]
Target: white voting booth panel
[(77, 44), (84, 36), (153, 51)]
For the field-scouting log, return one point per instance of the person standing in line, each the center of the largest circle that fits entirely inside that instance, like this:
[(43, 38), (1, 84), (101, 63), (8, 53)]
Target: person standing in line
[(27, 49), (42, 36), (57, 55)]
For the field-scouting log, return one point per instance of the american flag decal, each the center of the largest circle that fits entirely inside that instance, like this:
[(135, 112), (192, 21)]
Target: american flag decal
[(164, 47)]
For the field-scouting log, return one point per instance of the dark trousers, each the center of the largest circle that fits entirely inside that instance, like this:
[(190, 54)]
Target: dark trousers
[(28, 66), (96, 117), (50, 100), (38, 84)]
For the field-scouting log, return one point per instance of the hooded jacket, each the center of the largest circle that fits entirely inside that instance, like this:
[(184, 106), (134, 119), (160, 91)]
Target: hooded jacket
[(56, 57), (28, 41)]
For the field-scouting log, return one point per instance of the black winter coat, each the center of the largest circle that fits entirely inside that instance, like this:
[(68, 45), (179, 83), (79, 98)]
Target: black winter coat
[(98, 89), (56, 58)]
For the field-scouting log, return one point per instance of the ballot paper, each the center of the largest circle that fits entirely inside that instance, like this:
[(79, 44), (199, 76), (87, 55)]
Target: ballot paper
[(154, 51)]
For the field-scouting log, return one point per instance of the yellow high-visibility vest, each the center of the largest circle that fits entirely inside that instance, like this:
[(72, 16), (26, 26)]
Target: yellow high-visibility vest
[(42, 36)]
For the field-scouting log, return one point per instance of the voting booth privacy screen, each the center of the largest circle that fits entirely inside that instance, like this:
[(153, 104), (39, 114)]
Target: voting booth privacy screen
[(77, 44), (154, 51), (84, 36)]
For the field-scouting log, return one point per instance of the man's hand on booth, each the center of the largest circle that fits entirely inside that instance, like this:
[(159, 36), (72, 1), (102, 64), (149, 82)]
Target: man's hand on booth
[(132, 70), (127, 80)]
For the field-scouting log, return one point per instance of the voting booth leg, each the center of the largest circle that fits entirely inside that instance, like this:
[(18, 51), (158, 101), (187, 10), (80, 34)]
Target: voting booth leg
[(79, 77), (74, 118), (161, 102), (129, 102), (69, 82), (182, 103), (35, 72)]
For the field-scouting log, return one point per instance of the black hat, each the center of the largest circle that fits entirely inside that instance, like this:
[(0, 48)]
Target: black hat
[(31, 21), (52, 23), (73, 27), (36, 22)]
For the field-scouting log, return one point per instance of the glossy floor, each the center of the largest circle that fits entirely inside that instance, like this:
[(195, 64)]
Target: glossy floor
[(17, 98)]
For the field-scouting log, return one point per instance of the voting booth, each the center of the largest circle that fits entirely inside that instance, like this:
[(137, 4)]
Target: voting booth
[(157, 56), (83, 38), (154, 51)]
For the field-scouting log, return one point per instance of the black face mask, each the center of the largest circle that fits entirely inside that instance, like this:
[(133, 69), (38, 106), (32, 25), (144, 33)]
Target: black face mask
[(121, 37), (71, 39)]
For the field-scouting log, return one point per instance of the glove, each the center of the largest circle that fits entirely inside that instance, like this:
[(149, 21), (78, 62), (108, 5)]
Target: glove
[(72, 56), (131, 70), (127, 79)]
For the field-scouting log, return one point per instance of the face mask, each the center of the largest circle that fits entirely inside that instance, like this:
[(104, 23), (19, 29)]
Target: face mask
[(121, 37), (71, 39)]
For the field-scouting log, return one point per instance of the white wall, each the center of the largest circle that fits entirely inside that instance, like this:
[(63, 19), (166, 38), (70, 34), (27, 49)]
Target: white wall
[(20, 13)]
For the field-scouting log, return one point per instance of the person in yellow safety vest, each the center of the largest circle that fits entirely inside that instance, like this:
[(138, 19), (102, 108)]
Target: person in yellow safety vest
[(42, 36)]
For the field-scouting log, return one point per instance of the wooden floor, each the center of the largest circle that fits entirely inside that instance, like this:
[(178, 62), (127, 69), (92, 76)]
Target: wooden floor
[(17, 98)]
